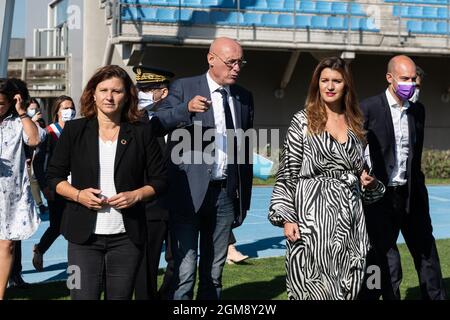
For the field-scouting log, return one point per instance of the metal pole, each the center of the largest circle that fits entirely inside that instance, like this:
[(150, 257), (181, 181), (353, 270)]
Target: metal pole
[(6, 20)]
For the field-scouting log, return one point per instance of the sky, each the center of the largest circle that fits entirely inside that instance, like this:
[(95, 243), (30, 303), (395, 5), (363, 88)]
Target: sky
[(18, 29)]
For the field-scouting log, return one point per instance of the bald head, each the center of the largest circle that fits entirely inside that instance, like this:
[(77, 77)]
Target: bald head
[(400, 62), (401, 73), (225, 60), (224, 44)]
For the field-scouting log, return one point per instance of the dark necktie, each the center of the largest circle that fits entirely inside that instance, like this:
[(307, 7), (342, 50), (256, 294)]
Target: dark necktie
[(232, 168)]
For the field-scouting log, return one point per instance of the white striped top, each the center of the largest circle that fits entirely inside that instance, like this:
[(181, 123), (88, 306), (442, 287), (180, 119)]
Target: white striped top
[(109, 220)]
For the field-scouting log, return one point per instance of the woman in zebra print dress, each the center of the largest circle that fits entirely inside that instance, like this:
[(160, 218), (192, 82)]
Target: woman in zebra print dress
[(319, 190)]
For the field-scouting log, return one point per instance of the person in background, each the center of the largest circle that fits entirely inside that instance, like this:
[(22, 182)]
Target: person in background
[(18, 217), (15, 278), (115, 165), (63, 110), (153, 85), (34, 112), (320, 188), (233, 255)]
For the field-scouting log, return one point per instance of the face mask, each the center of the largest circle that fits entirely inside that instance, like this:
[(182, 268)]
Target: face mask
[(31, 112), (405, 90), (415, 96), (67, 115), (145, 100)]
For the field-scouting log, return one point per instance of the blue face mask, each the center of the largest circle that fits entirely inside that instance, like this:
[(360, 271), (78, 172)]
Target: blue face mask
[(145, 100), (31, 112), (67, 115)]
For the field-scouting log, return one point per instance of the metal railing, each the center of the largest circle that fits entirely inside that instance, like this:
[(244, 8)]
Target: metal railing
[(45, 76)]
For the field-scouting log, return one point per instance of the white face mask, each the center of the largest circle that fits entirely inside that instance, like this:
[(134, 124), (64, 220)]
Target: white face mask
[(31, 112), (67, 115), (415, 96), (145, 100)]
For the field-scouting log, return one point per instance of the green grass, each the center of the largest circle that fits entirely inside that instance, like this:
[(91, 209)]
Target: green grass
[(260, 279), (271, 181)]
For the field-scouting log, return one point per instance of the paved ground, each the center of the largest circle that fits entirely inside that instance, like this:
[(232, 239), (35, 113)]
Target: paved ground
[(256, 237)]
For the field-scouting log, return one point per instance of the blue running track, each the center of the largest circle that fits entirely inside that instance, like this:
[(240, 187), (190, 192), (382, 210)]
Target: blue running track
[(256, 237)]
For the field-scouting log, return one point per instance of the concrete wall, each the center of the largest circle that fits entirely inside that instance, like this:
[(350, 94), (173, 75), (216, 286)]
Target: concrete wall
[(264, 71)]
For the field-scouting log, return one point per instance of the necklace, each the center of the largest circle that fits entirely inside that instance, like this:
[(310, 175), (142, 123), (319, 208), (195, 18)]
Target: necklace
[(102, 134)]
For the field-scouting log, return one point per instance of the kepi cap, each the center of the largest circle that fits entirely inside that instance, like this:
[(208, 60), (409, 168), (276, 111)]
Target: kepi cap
[(151, 77)]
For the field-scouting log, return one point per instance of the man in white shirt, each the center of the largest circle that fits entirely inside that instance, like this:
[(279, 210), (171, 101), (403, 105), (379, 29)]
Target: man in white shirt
[(395, 132)]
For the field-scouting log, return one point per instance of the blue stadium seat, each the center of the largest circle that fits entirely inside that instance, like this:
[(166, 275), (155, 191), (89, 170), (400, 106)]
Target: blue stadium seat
[(303, 21), (430, 12), (218, 17), (200, 17), (275, 5), (357, 9), (442, 13), (336, 23), (442, 28), (184, 15), (210, 3), (254, 5), (165, 15), (307, 7), (339, 8), (355, 23), (429, 27), (400, 11), (323, 7), (368, 24), (173, 3), (192, 3), (319, 22), (138, 14), (269, 20), (414, 26), (230, 4), (414, 12), (252, 18), (289, 5), (286, 20)]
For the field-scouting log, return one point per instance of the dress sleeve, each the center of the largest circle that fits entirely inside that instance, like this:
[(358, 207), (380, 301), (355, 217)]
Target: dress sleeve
[(282, 204)]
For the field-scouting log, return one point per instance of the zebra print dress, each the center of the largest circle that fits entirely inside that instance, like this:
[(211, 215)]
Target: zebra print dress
[(318, 187)]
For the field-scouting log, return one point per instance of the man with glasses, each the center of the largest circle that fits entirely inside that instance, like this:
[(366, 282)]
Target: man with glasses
[(207, 198)]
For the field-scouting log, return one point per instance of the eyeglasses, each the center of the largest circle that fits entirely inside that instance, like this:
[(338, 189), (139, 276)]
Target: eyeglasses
[(231, 64)]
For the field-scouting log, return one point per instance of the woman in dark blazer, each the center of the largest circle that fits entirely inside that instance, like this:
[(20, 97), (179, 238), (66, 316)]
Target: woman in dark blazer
[(115, 165)]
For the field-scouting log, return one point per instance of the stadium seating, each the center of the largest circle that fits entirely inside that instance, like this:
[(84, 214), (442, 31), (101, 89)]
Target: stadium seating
[(422, 16)]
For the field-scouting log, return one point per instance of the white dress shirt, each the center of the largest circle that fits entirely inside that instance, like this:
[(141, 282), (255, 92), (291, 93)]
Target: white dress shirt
[(220, 159), (401, 133)]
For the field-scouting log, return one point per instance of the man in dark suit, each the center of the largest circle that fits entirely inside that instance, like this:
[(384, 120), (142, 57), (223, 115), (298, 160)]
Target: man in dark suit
[(395, 131), (209, 188), (153, 85)]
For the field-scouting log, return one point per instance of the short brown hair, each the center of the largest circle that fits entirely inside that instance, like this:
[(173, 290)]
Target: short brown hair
[(315, 108), (130, 111)]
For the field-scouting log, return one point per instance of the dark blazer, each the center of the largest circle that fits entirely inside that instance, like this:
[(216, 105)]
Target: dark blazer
[(381, 139), (138, 162), (190, 181)]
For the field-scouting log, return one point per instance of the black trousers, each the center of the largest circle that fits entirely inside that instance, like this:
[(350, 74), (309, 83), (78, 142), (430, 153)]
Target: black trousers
[(146, 287), (385, 219), (106, 263), (16, 270), (55, 209)]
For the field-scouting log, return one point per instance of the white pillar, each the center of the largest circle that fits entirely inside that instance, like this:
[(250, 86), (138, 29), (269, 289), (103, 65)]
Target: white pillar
[(6, 20)]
